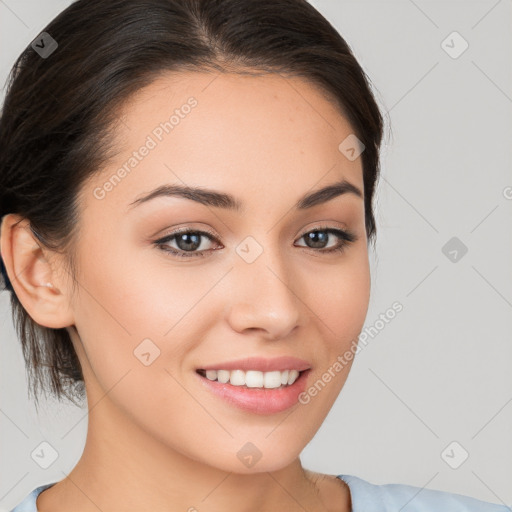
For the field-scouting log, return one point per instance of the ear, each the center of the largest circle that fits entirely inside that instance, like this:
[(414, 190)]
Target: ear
[(36, 285)]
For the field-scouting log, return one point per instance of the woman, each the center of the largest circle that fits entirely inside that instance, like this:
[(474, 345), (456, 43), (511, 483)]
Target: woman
[(186, 202)]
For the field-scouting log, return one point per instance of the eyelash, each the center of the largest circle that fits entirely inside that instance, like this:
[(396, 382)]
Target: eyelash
[(346, 238)]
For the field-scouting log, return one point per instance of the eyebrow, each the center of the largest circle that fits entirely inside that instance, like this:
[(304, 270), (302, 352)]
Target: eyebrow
[(217, 199)]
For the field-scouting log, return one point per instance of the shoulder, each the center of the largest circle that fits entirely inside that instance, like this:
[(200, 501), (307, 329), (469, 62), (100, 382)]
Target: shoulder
[(368, 497), (29, 502)]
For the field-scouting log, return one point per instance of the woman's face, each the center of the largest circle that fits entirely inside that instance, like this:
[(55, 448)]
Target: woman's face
[(148, 318)]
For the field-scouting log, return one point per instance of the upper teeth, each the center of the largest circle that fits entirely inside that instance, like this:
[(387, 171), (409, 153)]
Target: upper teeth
[(253, 378)]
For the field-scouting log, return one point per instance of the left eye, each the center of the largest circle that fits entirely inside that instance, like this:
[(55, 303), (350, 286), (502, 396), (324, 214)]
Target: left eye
[(189, 241), (319, 236)]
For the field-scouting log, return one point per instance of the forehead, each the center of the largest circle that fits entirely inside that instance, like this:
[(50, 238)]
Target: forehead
[(256, 103), (253, 133)]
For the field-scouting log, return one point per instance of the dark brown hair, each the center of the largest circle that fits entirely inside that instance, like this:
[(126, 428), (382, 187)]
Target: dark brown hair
[(59, 112)]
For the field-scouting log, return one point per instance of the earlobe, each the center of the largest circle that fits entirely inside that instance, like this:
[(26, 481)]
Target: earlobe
[(31, 274)]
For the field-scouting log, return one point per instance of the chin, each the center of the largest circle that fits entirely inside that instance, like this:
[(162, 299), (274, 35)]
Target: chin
[(254, 457)]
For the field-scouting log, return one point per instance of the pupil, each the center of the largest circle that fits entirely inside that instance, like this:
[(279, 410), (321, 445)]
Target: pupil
[(318, 238), (188, 239)]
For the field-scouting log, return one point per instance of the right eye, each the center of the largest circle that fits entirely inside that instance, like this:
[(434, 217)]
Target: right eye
[(187, 241)]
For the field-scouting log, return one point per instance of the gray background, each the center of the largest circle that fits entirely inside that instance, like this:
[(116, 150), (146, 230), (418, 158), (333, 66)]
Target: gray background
[(440, 370)]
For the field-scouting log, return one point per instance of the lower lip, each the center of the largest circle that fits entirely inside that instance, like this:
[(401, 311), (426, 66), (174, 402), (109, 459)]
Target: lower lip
[(259, 400)]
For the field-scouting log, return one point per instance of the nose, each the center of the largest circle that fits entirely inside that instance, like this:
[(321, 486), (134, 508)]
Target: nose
[(263, 297)]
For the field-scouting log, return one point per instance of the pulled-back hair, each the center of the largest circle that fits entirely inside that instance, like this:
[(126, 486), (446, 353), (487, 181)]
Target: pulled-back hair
[(57, 120)]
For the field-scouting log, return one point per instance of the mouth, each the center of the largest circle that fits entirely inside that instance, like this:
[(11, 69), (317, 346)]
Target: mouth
[(255, 399), (253, 379)]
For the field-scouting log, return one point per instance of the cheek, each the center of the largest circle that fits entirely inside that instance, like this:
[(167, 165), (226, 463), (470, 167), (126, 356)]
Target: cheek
[(127, 299), (130, 299), (340, 306), (134, 293), (339, 302), (134, 303), (136, 325), (340, 296)]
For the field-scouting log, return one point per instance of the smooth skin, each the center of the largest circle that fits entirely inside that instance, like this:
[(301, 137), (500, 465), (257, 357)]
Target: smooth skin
[(157, 438)]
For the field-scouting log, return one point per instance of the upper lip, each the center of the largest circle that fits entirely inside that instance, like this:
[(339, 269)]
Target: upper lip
[(261, 364)]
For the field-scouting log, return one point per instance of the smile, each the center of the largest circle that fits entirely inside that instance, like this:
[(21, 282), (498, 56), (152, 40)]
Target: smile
[(256, 399), (252, 378)]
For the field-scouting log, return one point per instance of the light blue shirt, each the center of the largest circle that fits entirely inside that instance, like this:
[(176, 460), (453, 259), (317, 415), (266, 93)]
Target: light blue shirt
[(368, 497)]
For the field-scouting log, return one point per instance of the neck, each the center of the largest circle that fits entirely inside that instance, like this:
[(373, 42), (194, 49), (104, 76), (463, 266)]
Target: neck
[(124, 468)]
